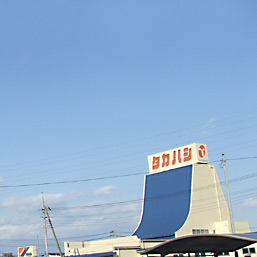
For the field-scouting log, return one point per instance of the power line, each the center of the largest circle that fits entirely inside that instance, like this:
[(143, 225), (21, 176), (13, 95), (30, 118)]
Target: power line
[(72, 181), (227, 119), (245, 177), (103, 178)]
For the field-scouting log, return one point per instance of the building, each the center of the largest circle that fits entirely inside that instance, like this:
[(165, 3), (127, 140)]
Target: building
[(182, 197)]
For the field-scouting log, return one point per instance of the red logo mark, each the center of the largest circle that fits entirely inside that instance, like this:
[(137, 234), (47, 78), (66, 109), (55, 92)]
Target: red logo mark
[(201, 151)]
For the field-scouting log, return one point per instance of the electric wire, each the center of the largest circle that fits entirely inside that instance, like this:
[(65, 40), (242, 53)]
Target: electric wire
[(115, 146), (108, 177)]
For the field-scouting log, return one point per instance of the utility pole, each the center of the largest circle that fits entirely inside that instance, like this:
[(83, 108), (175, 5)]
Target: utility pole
[(232, 224), (56, 240), (44, 217), (38, 254)]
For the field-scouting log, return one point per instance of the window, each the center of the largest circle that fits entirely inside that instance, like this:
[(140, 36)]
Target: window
[(252, 250), (200, 231), (245, 250), (200, 254), (248, 250)]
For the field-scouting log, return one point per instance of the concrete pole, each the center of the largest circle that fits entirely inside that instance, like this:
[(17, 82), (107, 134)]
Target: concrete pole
[(44, 217), (232, 224), (55, 237)]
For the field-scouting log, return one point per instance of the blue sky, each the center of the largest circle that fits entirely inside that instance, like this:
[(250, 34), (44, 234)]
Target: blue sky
[(89, 89)]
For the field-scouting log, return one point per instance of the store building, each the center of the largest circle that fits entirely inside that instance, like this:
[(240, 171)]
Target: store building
[(182, 197)]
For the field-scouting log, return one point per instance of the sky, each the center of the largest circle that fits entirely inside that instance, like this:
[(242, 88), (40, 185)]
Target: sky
[(89, 89)]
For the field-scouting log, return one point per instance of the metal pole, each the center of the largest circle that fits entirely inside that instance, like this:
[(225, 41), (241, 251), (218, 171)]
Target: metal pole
[(232, 224), (44, 217)]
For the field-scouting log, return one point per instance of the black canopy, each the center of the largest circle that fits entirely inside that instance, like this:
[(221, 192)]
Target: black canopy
[(207, 243)]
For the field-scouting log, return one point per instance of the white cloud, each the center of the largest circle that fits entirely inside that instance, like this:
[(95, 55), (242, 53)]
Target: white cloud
[(251, 202), (35, 202), (11, 231), (106, 190), (99, 217)]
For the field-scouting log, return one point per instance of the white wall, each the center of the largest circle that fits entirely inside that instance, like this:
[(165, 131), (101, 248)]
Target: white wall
[(242, 226), (208, 205), (209, 210), (107, 245)]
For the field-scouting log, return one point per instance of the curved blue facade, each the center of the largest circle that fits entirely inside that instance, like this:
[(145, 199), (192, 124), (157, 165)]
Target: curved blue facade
[(166, 203)]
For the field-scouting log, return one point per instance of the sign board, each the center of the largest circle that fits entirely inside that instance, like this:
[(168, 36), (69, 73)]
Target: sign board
[(27, 251), (178, 157)]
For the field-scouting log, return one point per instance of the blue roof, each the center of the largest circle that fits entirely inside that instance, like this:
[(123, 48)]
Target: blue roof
[(166, 203), (98, 254)]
